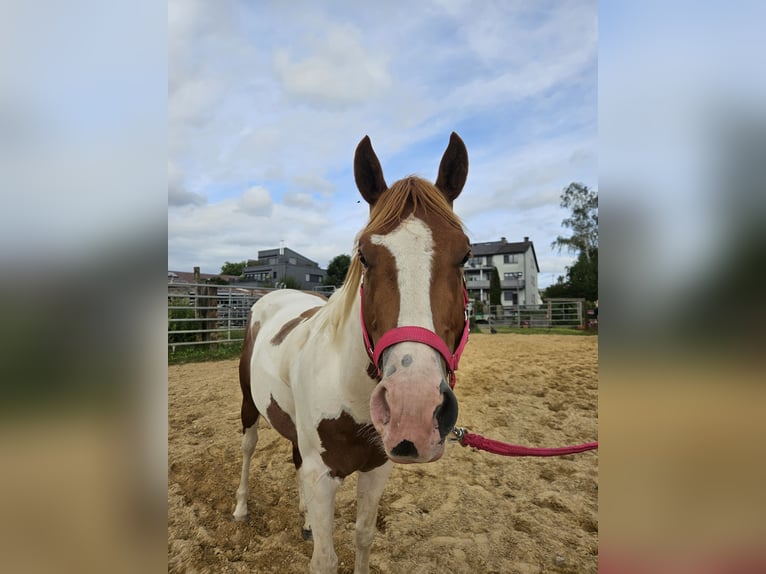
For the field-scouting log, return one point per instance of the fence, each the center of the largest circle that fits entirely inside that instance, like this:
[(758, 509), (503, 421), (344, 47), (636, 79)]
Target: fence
[(203, 313), (552, 313)]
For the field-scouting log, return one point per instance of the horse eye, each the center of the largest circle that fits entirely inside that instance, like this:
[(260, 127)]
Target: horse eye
[(362, 260), (466, 258)]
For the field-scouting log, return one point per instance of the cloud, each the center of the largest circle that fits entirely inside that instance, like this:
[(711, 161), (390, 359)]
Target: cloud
[(256, 201), (339, 70), (294, 199), (178, 195), (314, 183), (274, 100)]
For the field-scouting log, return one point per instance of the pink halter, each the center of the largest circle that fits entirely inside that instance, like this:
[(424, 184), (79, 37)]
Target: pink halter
[(416, 335)]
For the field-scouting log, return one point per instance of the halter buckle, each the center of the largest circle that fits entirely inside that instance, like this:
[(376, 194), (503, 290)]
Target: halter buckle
[(459, 433)]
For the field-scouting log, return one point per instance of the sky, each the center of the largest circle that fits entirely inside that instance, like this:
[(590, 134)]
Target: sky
[(268, 100), (250, 112)]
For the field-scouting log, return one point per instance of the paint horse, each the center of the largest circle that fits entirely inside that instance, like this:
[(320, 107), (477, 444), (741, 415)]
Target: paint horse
[(359, 382)]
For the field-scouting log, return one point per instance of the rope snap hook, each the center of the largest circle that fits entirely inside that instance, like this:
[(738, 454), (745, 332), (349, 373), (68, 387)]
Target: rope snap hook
[(459, 433)]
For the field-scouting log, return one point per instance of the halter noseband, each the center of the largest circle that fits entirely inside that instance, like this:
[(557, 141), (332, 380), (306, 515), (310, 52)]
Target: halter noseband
[(416, 335)]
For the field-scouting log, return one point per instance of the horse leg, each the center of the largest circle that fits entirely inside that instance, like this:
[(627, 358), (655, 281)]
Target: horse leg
[(249, 416), (319, 490), (369, 490), (298, 461), (249, 440)]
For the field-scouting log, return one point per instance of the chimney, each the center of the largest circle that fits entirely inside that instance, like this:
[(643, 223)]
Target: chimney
[(503, 240), (282, 247), (526, 239)]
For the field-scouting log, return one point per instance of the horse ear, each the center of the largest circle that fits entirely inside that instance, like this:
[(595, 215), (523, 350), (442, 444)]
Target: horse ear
[(368, 173), (453, 169)]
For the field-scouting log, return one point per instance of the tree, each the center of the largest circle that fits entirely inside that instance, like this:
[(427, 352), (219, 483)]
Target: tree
[(559, 290), (290, 282), (582, 276), (583, 222), (581, 280), (337, 269), (217, 281), (230, 268), (495, 292)]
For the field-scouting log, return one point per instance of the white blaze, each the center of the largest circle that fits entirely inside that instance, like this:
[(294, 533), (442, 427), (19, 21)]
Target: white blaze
[(412, 247)]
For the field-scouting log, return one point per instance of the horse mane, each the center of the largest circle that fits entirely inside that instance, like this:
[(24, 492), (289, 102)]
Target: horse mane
[(395, 204)]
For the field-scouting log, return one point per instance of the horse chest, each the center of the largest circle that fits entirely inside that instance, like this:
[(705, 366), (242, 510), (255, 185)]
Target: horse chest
[(349, 446)]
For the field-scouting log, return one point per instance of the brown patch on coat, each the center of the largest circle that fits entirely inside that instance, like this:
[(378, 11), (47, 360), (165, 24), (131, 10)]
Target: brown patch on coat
[(372, 371), (297, 460), (249, 412), (315, 294), (284, 331), (347, 446), (282, 422), (284, 425), (308, 313)]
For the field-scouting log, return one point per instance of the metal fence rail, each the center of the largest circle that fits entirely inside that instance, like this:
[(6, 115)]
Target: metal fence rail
[(552, 313), (204, 313)]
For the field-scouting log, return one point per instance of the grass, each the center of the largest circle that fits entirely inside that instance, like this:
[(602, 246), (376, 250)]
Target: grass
[(201, 353), (484, 328)]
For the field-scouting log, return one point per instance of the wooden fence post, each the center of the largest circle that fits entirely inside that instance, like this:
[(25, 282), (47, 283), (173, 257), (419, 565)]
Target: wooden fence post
[(205, 308)]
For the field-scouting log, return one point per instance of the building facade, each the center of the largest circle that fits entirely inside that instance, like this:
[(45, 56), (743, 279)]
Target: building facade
[(273, 266), (517, 266)]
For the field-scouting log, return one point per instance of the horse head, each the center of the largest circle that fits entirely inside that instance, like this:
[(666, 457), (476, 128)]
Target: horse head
[(413, 300)]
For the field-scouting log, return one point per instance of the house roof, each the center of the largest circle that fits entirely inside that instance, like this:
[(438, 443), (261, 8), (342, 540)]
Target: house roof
[(286, 253), (502, 247)]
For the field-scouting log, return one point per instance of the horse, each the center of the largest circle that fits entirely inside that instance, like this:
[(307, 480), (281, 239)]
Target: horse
[(358, 382)]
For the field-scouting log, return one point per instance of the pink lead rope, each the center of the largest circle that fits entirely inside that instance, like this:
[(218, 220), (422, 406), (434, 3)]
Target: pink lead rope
[(479, 442)]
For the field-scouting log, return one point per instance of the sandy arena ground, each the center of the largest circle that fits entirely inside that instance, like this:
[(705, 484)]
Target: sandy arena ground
[(470, 512)]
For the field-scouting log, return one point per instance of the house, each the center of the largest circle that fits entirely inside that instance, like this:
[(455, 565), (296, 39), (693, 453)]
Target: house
[(516, 264), (273, 266)]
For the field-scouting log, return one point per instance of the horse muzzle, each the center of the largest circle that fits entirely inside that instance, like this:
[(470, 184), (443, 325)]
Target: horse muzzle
[(413, 408)]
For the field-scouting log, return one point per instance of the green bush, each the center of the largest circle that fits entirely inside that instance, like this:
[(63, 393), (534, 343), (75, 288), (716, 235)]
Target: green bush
[(173, 325)]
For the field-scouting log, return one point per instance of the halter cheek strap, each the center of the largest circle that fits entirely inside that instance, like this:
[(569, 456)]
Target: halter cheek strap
[(416, 335)]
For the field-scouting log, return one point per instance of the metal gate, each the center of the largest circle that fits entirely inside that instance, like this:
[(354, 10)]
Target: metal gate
[(204, 313)]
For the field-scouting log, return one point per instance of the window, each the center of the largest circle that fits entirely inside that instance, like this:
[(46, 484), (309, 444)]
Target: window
[(292, 261), (509, 258), (508, 296), (512, 275), (260, 276)]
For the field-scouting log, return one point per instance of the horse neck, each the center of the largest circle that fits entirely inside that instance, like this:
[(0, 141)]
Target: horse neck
[(348, 338), (352, 338)]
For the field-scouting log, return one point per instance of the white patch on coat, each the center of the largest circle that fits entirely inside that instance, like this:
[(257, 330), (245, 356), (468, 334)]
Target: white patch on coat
[(412, 246)]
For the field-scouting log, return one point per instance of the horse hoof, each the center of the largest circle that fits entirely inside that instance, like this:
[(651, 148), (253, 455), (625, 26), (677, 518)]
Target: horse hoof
[(242, 518), (306, 534)]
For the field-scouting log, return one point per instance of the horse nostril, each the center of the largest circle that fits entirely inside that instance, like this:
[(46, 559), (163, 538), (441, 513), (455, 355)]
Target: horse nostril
[(446, 413), (379, 409), (405, 448)]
